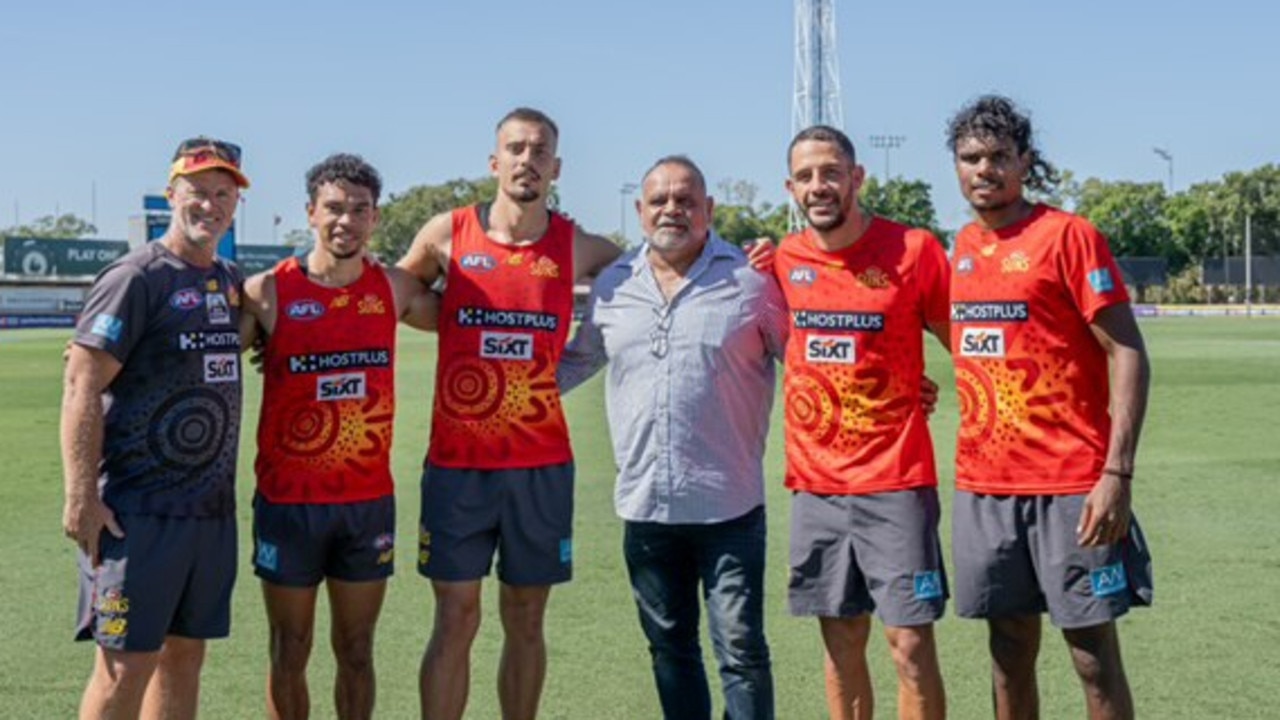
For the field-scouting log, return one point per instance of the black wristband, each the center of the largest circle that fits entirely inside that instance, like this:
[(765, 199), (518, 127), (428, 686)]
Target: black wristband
[(1118, 473)]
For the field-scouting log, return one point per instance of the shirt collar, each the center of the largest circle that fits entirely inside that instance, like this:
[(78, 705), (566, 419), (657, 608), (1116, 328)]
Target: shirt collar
[(715, 249)]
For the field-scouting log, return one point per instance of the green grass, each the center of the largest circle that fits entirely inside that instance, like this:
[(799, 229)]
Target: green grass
[(1206, 491)]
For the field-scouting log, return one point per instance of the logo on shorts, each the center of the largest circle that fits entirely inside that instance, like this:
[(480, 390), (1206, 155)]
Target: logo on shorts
[(347, 386), (112, 602), (221, 367), (186, 299), (385, 544), (982, 342), (217, 309), (1108, 580), (927, 585), (566, 551), (506, 346), (267, 557), (107, 326), (424, 546), (112, 610)]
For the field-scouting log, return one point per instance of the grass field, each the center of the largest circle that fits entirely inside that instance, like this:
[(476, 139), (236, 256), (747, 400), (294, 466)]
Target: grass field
[(1207, 491)]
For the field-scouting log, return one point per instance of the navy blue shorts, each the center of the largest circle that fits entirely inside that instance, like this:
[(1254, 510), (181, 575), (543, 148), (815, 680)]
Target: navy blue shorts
[(300, 544), (525, 514), (166, 576)]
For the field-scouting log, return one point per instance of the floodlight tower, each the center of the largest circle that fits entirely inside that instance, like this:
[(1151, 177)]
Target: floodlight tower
[(817, 81)]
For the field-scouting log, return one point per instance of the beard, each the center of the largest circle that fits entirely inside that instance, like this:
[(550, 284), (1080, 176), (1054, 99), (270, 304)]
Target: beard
[(833, 222), (523, 195)]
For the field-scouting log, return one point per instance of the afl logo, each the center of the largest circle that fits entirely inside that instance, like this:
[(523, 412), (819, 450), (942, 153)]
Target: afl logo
[(803, 275), (186, 299), (478, 262), (304, 310)]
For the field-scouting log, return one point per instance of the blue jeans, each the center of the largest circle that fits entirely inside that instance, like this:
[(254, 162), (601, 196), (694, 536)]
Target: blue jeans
[(666, 563)]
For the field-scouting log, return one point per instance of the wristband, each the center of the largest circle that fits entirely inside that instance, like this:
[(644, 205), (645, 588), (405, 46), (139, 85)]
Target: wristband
[(1118, 473)]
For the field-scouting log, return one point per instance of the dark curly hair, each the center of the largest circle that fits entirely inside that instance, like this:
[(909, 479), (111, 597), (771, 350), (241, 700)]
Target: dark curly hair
[(344, 166), (995, 117)]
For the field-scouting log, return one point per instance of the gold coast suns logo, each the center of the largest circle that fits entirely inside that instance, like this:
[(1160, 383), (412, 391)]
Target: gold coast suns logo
[(371, 305), (544, 267), (1017, 262), (873, 278)]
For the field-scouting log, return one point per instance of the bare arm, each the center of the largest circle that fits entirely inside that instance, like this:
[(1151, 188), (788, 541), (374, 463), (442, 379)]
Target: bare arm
[(591, 253), (428, 255), (1105, 518), (84, 515), (416, 306), (259, 309)]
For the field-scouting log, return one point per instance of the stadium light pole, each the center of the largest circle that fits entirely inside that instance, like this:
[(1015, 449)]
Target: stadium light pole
[(624, 192), (1168, 158), (887, 143)]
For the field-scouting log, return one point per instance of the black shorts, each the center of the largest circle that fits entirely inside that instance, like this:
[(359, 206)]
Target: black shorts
[(300, 544), (166, 576), (525, 514)]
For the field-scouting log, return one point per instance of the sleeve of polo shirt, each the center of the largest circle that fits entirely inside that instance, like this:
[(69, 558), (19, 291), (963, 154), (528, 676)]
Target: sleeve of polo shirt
[(585, 354)]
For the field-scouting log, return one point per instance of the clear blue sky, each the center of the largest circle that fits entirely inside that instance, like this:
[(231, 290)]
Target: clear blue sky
[(98, 93)]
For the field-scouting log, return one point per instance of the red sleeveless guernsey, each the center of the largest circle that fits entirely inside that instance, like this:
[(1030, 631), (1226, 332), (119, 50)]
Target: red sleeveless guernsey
[(503, 324), (328, 395)]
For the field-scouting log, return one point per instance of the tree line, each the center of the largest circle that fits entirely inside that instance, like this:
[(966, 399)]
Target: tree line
[(1141, 219)]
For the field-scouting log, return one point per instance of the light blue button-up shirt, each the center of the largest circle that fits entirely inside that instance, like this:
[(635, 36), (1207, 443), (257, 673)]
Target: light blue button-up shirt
[(690, 382)]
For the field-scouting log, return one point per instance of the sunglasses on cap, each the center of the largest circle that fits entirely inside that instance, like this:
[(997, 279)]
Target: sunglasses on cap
[(202, 149)]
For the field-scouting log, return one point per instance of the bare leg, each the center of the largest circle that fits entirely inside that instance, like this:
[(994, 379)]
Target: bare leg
[(524, 650), (920, 692), (291, 615), (1015, 644), (354, 613), (117, 684), (446, 666), (174, 690), (848, 680), (1095, 651)]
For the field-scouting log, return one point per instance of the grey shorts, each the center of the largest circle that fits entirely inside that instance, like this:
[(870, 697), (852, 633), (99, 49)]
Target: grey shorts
[(1018, 555), (300, 544), (166, 576), (854, 554), (525, 514)]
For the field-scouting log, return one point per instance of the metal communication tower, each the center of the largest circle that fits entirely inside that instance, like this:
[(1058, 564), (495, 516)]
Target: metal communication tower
[(817, 82)]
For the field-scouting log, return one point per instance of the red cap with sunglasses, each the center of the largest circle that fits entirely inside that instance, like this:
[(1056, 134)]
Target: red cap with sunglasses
[(202, 153)]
